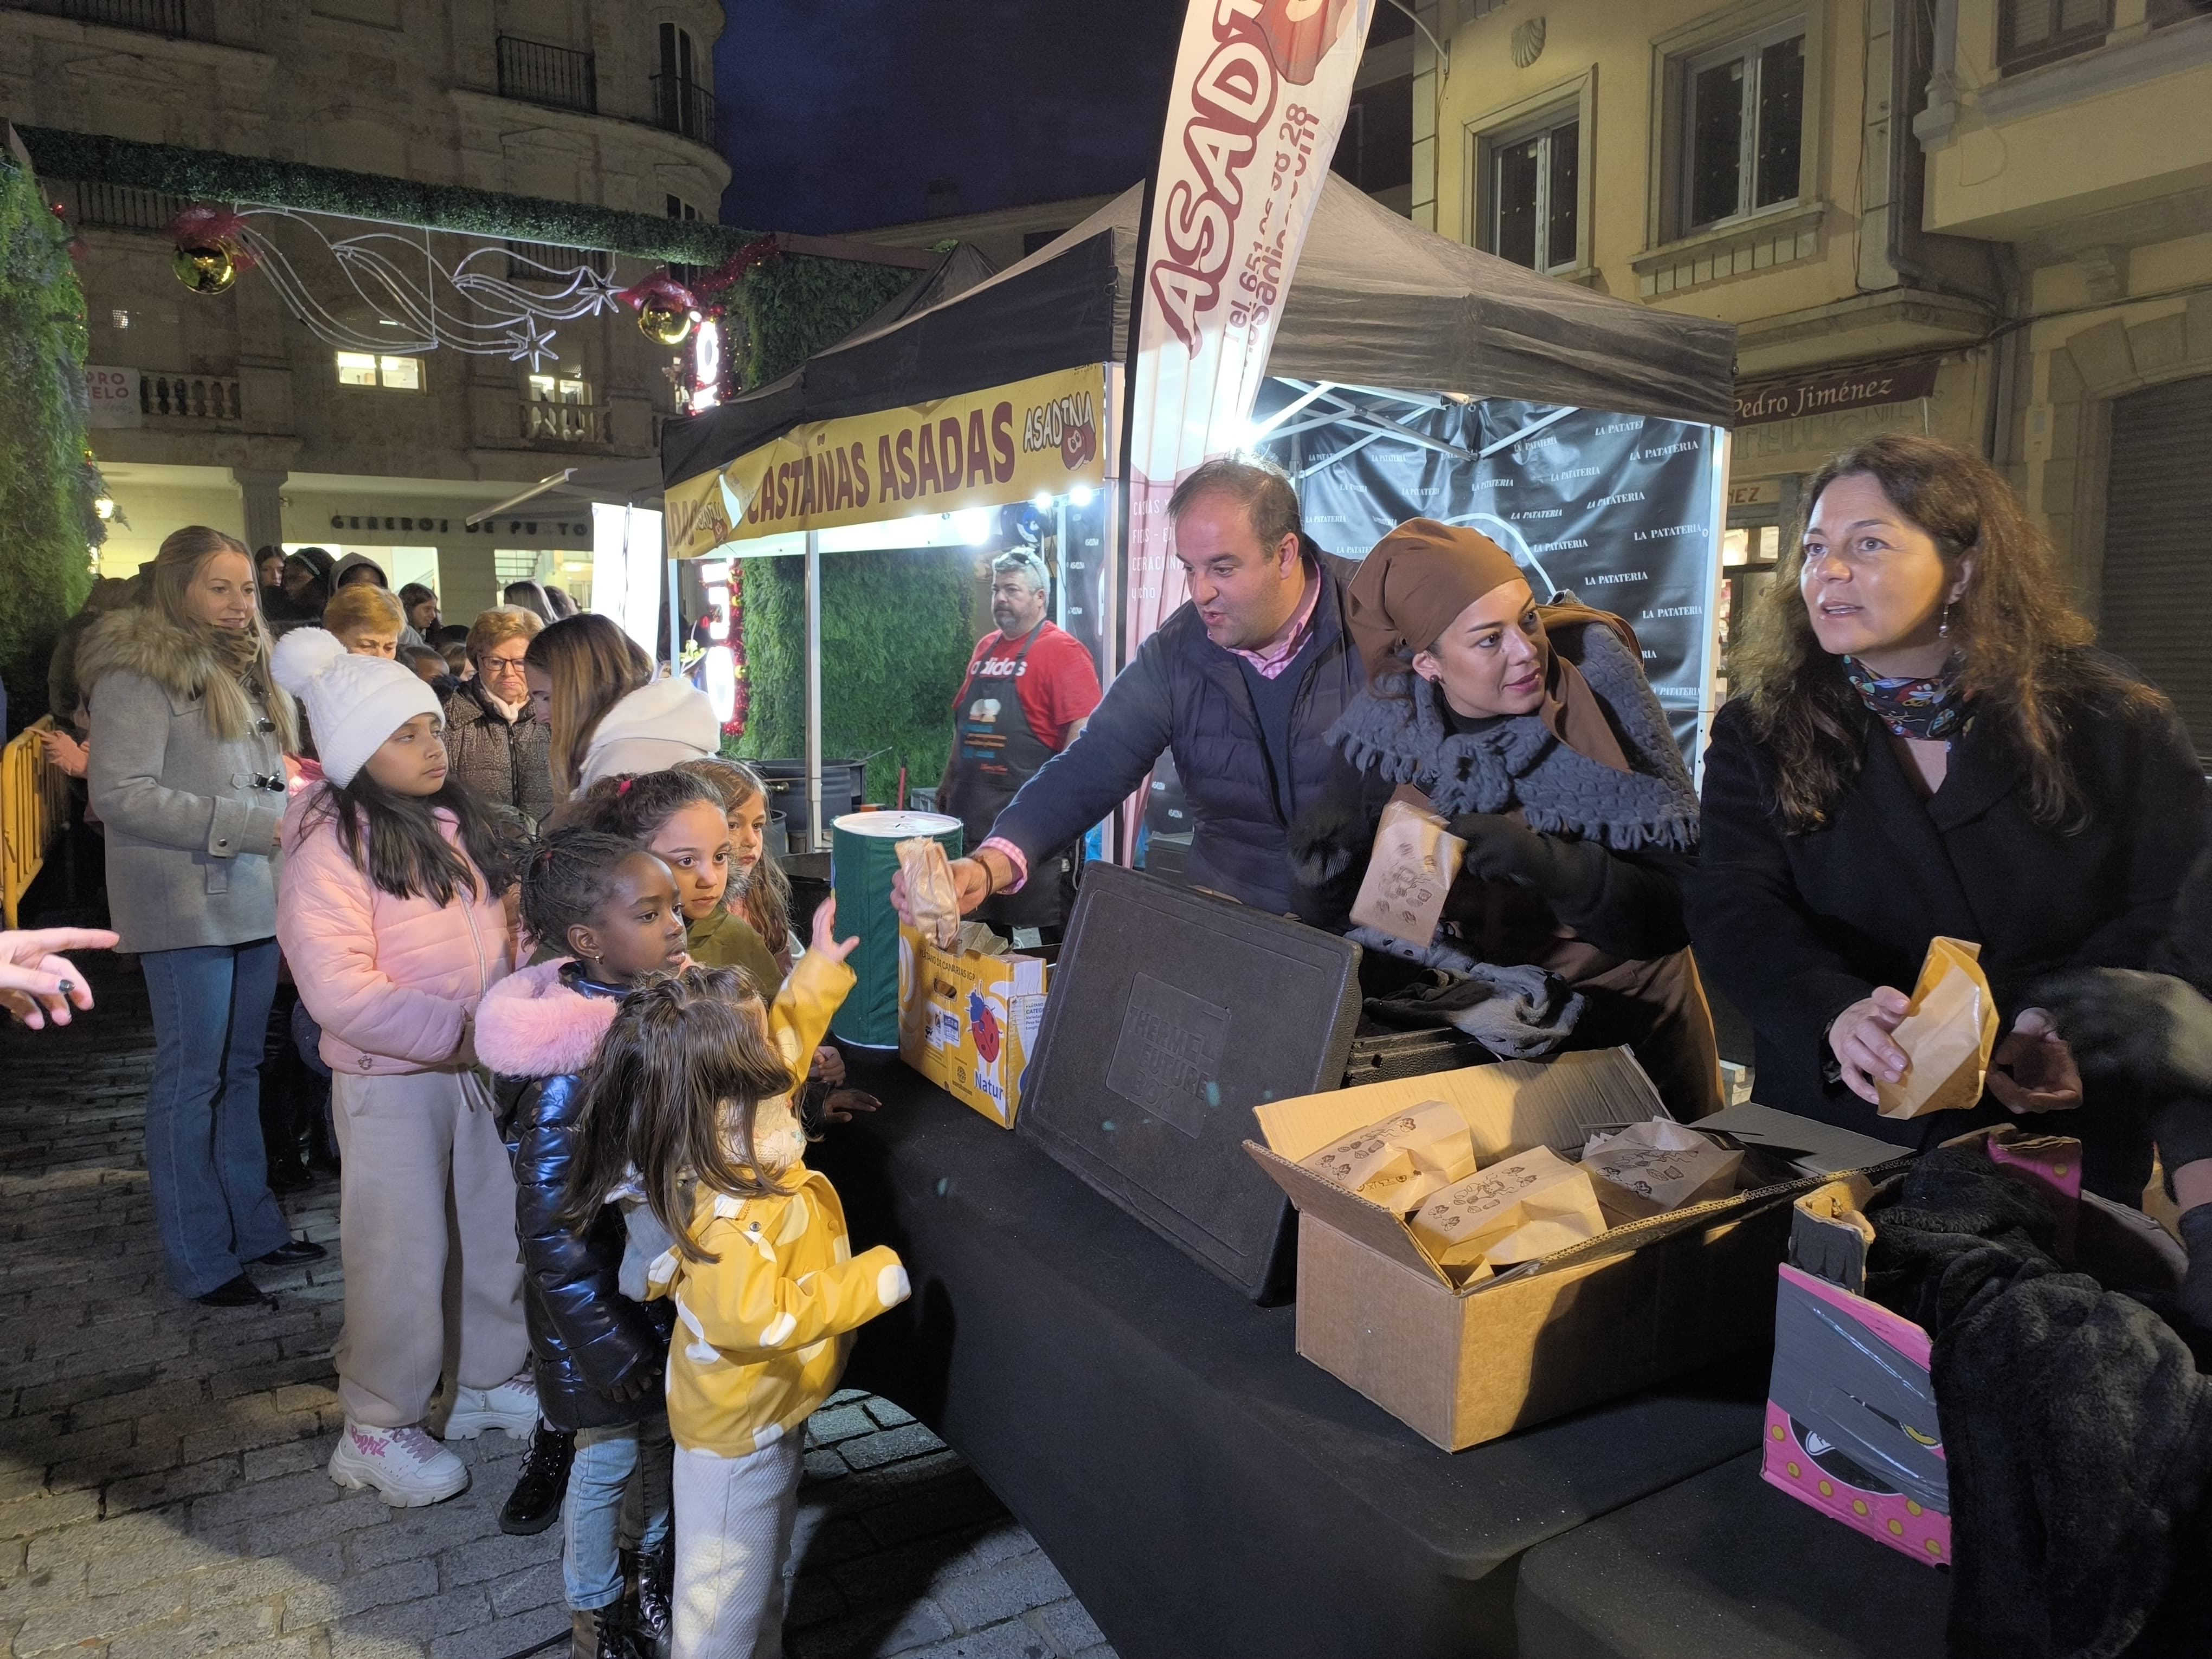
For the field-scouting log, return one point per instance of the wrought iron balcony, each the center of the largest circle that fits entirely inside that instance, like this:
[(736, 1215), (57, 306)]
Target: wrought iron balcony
[(552, 76), (683, 106), (171, 17)]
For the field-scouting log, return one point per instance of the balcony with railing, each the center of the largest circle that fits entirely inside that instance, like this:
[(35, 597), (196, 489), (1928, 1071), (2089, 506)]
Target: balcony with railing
[(534, 73), (174, 18), (201, 399), (544, 423), (683, 106)]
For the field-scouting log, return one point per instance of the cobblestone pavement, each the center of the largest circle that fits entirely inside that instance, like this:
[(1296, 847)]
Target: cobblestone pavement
[(161, 1483)]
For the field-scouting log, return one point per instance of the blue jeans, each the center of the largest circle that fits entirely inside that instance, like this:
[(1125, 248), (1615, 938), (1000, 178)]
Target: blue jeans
[(203, 1153), (592, 1513)]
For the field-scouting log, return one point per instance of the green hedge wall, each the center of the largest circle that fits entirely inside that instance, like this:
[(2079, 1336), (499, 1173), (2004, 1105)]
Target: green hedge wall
[(895, 636), (793, 308), (46, 486)]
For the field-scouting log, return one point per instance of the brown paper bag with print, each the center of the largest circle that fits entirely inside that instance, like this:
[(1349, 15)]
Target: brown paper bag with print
[(1513, 1212), (1412, 869), (929, 890), (1403, 1158), (1948, 1033), (1658, 1165)]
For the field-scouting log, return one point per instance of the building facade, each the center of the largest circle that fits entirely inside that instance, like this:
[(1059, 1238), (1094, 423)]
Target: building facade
[(1986, 220), (228, 408)]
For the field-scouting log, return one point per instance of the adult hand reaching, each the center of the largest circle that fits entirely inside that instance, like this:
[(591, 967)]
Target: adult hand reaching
[(37, 983), (973, 881), (2033, 1070), (1859, 1038), (65, 752)]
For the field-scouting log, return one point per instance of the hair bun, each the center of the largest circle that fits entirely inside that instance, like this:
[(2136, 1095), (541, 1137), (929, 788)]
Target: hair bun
[(303, 656)]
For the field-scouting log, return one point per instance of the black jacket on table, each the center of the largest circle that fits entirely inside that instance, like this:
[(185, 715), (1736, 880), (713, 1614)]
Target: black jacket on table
[(1794, 928), (585, 1335)]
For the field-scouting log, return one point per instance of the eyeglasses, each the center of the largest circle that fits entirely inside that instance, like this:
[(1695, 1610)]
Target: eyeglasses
[(502, 665)]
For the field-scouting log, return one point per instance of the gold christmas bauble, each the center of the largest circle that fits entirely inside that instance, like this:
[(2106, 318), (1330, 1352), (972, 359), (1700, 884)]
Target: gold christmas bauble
[(208, 269), (664, 325)]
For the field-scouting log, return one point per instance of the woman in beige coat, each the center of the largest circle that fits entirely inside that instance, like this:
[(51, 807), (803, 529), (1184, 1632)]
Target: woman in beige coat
[(189, 735)]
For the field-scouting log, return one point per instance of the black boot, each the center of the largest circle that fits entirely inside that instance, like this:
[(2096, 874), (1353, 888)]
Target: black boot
[(605, 1633), (654, 1574), (535, 1503)]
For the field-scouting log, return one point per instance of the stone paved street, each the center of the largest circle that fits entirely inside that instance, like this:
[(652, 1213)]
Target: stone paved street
[(161, 1483)]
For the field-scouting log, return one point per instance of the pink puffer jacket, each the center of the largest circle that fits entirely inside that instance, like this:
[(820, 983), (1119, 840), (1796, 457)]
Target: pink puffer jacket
[(389, 980)]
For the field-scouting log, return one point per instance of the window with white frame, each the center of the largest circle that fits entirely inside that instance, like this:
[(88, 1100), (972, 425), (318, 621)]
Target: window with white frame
[(558, 389), (381, 369), (2033, 32), (1738, 119), (1532, 193)]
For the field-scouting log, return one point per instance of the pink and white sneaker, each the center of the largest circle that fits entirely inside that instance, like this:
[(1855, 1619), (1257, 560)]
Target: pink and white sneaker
[(406, 1467), (511, 1405)]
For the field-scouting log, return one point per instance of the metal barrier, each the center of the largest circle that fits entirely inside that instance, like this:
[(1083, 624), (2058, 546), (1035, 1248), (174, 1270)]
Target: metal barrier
[(33, 810)]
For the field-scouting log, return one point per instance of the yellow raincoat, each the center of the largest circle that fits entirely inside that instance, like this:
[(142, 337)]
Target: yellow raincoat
[(763, 1331)]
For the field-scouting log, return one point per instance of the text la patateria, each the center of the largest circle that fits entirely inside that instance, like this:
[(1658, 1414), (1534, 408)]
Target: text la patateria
[(929, 457)]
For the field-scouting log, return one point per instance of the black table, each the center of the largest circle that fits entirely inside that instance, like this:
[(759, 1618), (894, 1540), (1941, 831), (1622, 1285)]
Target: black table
[(1725, 1564), (1204, 1490)]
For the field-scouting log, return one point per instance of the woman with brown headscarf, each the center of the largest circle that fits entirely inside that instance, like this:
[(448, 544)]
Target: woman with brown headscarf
[(1531, 729)]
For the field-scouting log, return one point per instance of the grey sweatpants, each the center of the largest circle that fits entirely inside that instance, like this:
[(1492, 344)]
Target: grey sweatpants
[(733, 1522), (426, 1226)]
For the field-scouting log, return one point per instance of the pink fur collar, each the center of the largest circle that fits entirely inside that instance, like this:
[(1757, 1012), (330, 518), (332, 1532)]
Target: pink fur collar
[(532, 1025)]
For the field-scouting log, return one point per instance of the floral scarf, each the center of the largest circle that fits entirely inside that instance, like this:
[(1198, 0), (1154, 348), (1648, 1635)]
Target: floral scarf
[(1931, 709)]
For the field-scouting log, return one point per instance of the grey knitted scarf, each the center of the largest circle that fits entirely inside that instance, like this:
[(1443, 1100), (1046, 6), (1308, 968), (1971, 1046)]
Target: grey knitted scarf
[(1398, 727)]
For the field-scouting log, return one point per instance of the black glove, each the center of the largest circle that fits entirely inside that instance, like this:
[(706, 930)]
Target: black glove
[(1567, 872), (1327, 840), (2148, 1033)]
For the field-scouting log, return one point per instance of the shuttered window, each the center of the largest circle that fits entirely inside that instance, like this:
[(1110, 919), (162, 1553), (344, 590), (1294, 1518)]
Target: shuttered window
[(2157, 589)]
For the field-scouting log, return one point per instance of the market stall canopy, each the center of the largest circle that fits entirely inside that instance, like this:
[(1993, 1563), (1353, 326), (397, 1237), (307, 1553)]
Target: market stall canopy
[(1377, 301), (615, 483)]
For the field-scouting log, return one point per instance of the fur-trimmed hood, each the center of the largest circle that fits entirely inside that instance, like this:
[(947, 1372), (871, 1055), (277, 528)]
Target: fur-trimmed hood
[(140, 639), (533, 1024)]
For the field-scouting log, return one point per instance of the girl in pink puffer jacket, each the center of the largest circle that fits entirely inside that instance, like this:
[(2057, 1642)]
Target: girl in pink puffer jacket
[(394, 932)]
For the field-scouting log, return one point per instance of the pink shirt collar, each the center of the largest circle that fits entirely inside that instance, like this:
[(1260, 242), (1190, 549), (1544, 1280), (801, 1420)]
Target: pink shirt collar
[(1270, 660)]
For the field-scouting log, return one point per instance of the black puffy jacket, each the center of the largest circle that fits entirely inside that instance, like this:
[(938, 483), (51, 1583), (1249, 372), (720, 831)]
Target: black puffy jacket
[(585, 1335)]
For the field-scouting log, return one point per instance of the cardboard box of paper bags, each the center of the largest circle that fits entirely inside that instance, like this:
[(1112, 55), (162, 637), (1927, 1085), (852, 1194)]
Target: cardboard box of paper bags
[(1637, 1304)]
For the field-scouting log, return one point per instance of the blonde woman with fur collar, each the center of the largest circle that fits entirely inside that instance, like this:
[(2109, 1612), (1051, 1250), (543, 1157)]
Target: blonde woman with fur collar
[(189, 736)]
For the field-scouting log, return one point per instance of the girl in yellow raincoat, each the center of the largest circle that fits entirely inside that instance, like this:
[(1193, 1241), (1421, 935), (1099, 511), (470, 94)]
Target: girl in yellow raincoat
[(697, 1077)]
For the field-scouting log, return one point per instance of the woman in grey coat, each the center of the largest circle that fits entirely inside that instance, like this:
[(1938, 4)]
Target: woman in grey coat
[(189, 735)]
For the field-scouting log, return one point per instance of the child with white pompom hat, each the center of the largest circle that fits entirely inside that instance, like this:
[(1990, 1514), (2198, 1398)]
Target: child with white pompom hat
[(395, 930)]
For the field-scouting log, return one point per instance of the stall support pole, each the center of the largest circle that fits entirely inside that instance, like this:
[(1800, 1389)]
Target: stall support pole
[(1060, 587), (675, 609), (816, 839)]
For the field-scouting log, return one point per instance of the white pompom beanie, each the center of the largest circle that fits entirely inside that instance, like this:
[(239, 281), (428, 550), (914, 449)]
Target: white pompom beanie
[(353, 703)]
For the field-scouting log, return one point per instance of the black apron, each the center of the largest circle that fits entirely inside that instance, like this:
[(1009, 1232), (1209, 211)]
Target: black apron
[(996, 752)]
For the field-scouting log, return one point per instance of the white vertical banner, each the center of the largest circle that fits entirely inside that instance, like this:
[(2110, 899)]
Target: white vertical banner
[(1258, 97), (626, 570)]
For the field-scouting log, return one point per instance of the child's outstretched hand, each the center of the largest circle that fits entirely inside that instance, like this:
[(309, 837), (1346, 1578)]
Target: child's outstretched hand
[(825, 928)]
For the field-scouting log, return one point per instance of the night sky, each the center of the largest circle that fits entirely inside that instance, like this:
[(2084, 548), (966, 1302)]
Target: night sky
[(837, 114)]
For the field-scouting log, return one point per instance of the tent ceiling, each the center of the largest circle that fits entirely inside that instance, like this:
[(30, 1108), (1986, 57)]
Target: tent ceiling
[(1377, 302)]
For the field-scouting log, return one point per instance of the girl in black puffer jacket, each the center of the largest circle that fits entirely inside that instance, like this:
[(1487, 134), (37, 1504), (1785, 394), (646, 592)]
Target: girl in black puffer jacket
[(600, 1356)]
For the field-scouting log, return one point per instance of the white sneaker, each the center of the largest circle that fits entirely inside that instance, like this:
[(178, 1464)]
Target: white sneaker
[(405, 1466), (512, 1405)]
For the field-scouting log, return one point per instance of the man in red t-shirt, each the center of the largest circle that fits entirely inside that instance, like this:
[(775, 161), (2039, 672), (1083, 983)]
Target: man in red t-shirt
[(1029, 689)]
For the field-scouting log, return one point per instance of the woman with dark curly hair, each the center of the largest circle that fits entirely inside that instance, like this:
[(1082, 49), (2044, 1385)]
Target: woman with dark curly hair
[(1924, 742)]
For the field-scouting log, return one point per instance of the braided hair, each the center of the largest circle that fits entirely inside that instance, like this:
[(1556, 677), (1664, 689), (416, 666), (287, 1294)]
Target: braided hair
[(568, 878)]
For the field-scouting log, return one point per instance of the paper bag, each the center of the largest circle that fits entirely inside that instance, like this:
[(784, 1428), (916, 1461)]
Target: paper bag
[(1401, 1160), (930, 893), (1948, 1033), (1412, 867), (1513, 1212), (1652, 1167)]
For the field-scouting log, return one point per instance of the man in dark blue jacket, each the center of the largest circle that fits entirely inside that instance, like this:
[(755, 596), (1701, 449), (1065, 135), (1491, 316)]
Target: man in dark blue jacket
[(1240, 683)]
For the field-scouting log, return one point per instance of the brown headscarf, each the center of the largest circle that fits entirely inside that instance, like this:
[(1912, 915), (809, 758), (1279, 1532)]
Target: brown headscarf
[(1415, 583)]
